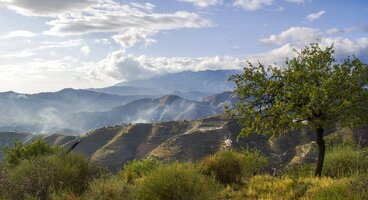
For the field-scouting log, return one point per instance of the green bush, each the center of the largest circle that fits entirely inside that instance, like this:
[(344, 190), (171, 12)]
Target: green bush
[(112, 188), (41, 176), (336, 140), (138, 168), (29, 178), (303, 170), (255, 163), (65, 195), (176, 182), (359, 186), (14, 155), (73, 171), (268, 187), (345, 161), (337, 190), (230, 167)]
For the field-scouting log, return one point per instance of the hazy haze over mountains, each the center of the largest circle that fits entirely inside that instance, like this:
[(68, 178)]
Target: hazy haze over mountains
[(163, 98)]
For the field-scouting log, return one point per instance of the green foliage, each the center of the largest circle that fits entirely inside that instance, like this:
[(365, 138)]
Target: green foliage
[(229, 167), (359, 187), (65, 195), (44, 175), (176, 182), (339, 140), (32, 178), (112, 188), (255, 163), (295, 171), (14, 155), (345, 162), (310, 90), (73, 171), (138, 168), (337, 190), (268, 187)]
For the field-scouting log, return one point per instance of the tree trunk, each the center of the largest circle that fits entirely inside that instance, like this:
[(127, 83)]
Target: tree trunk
[(321, 151)]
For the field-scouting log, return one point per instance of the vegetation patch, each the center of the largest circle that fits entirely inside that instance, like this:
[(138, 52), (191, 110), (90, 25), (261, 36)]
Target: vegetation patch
[(177, 182)]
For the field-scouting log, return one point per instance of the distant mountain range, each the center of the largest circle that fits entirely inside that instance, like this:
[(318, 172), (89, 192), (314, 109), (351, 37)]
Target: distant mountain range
[(188, 84), (162, 98), (166, 108)]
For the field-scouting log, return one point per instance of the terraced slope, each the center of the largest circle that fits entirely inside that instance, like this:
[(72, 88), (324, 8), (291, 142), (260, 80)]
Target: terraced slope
[(182, 140)]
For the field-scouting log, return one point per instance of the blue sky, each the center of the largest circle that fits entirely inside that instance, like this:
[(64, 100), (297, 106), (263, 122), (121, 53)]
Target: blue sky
[(49, 45)]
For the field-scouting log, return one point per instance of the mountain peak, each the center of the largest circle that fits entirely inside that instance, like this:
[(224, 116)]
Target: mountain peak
[(168, 99)]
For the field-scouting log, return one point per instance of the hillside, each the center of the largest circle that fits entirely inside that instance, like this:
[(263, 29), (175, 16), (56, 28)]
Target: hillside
[(187, 84), (73, 111), (166, 108), (183, 140), (44, 112)]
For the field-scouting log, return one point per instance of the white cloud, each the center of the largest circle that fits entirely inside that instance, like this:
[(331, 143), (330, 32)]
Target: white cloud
[(34, 75), (20, 54), (275, 56), (333, 31), (119, 66), (302, 35), (85, 50), (204, 3), (296, 1), (130, 22), (61, 44), (20, 33), (46, 45), (344, 46), (299, 37), (46, 7), (132, 36), (252, 4), (123, 18), (315, 16), (105, 41)]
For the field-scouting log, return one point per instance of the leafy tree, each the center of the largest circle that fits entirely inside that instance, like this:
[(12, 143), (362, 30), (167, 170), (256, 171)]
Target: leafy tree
[(310, 90), (14, 155)]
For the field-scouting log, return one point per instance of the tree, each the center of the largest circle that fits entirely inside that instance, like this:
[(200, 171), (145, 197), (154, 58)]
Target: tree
[(310, 90), (14, 155)]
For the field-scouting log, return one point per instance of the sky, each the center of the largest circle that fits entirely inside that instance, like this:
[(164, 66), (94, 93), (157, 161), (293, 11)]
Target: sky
[(49, 45)]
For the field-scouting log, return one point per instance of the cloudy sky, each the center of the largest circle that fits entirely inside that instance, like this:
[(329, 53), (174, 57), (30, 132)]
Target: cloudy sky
[(49, 45)]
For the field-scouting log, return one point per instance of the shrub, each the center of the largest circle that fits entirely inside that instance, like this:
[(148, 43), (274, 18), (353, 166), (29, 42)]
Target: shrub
[(327, 188), (30, 178), (39, 177), (296, 171), (255, 163), (65, 195), (14, 155), (345, 161), (73, 171), (336, 140), (138, 168), (176, 182), (112, 188), (360, 187), (268, 187), (230, 167)]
